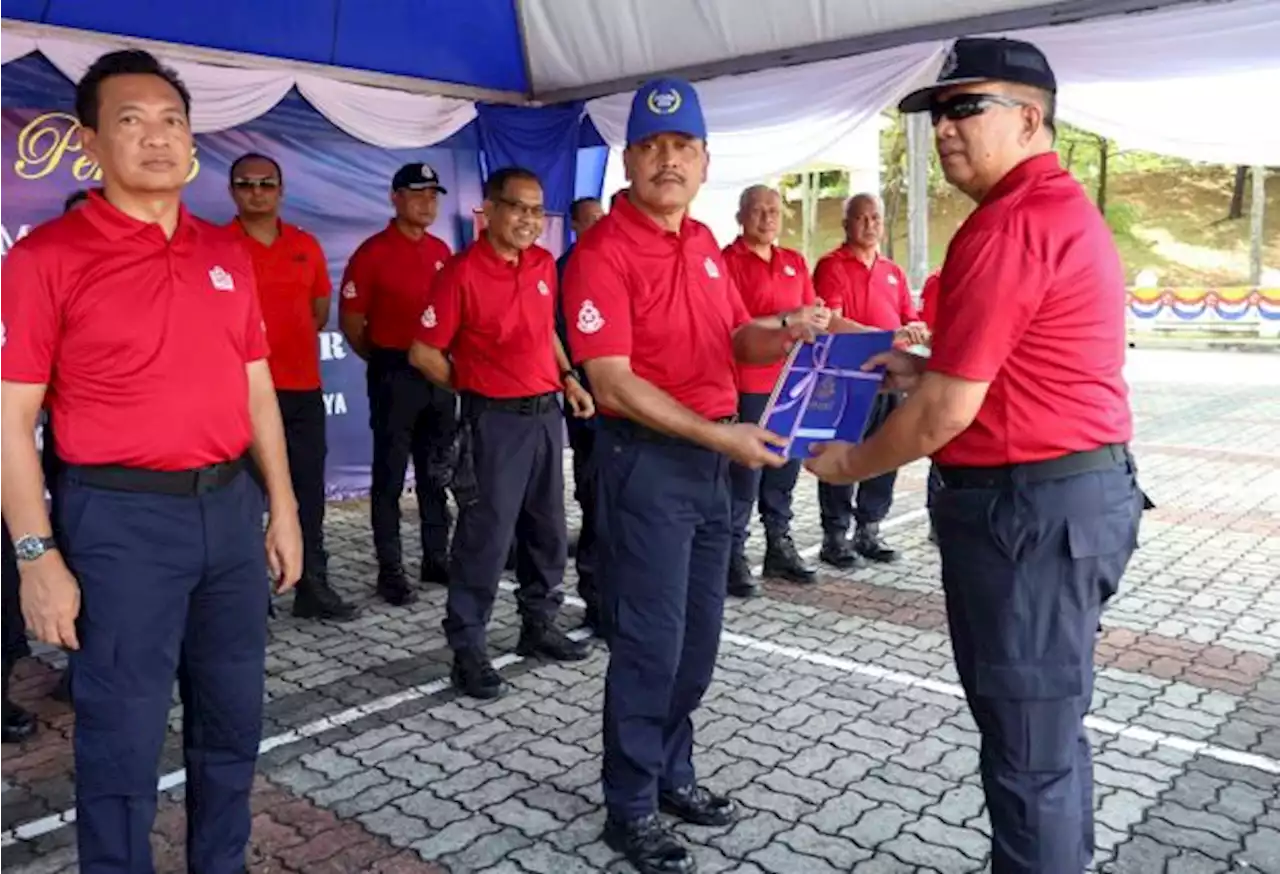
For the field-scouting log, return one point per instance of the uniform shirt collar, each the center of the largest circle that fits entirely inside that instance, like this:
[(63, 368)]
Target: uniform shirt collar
[(239, 229), (846, 254), (116, 226), (644, 229), (494, 262), (1028, 171)]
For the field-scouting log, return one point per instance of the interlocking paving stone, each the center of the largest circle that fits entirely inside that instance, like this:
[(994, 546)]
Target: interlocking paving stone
[(832, 768)]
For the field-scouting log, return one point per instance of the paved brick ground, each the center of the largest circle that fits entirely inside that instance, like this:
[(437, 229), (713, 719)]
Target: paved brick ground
[(834, 718)]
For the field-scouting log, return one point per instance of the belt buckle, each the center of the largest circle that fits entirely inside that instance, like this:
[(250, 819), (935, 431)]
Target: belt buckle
[(207, 479)]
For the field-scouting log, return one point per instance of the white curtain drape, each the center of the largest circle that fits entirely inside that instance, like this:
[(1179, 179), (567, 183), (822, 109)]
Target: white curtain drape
[(768, 123), (225, 97)]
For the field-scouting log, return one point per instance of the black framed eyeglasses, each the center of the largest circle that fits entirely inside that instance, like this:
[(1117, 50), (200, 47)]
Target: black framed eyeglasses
[(250, 184), (525, 209), (962, 106)]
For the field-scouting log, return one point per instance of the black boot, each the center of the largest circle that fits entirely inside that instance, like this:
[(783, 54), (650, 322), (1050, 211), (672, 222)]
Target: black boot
[(435, 569), (648, 845), (698, 805), (783, 562), (866, 540), (473, 674), (394, 587), (18, 724), (541, 637), (838, 552), (741, 583), (316, 599)]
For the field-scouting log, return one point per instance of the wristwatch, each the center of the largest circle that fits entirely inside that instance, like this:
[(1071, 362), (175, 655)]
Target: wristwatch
[(566, 375), (30, 547)]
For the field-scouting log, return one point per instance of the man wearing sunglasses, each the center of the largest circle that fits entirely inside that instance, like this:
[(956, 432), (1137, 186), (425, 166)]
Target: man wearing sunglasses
[(293, 289), (382, 295), (1024, 408)]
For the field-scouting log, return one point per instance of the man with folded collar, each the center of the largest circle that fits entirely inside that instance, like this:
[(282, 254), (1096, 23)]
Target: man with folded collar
[(657, 322), (1024, 407), (488, 332), (380, 301), (141, 325)]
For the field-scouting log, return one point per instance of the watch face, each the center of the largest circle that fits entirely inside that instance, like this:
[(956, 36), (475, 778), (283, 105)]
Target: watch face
[(29, 548)]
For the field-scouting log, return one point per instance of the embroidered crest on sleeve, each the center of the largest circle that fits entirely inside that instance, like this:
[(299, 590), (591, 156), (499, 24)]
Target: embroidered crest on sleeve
[(429, 317), (589, 318), (349, 289)]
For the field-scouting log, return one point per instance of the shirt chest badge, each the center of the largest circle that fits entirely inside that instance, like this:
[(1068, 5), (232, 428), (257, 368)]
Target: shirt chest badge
[(542, 288), (788, 270), (712, 270), (589, 319), (439, 265), (891, 279), (221, 280)]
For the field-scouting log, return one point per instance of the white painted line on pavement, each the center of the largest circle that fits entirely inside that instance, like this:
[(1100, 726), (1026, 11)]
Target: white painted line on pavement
[(34, 829), (1105, 726), (887, 525)]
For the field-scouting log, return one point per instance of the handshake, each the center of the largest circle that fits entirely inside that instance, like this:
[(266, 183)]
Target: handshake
[(806, 323)]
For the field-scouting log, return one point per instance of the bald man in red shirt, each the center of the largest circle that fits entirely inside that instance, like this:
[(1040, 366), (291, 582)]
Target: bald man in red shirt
[(870, 291)]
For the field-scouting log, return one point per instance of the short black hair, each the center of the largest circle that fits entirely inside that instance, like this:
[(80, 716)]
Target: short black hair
[(496, 184), (254, 156), (74, 198), (122, 63), (579, 204)]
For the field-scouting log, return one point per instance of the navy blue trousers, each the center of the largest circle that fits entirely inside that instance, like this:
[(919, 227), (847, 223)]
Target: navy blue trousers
[(519, 465), (582, 439), (171, 587), (771, 486), (664, 538), (1026, 570), (410, 418), (838, 504)]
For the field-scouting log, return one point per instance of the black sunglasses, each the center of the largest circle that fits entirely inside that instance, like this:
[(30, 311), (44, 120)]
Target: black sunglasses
[(246, 184), (962, 106)]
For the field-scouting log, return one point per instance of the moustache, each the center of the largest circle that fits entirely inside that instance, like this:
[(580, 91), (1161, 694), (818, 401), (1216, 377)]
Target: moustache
[(667, 176)]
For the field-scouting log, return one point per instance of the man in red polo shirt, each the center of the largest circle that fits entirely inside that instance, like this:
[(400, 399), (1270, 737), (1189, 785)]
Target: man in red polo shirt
[(772, 282), (141, 323), (380, 301), (863, 287), (293, 289), (488, 332), (654, 315), (1024, 407)]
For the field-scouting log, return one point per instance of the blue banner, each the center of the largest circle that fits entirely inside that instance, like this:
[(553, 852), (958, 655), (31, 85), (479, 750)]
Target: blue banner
[(335, 187)]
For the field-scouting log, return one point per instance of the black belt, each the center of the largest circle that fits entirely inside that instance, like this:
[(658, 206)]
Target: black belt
[(536, 405), (180, 483), (636, 431), (1103, 458)]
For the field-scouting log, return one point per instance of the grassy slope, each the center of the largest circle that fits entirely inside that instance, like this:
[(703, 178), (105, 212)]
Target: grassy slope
[(1177, 226)]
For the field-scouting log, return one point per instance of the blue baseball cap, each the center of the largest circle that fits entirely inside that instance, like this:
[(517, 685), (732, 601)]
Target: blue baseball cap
[(665, 106)]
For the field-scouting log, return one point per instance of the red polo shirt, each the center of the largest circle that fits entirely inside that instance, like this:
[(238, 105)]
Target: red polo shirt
[(768, 288), (929, 301), (387, 280), (142, 340), (875, 296), (661, 298), (1032, 301), (291, 275), (497, 320)]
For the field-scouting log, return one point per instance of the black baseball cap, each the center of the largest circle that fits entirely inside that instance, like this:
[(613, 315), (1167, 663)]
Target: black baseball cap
[(986, 59), (417, 177)]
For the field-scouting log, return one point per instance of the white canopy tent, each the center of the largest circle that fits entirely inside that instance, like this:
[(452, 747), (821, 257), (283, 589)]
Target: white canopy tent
[(788, 84)]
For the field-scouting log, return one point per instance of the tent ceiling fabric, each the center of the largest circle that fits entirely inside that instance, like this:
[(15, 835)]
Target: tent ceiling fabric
[(1128, 77)]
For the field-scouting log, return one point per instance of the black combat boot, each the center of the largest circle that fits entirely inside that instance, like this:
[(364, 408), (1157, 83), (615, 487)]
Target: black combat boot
[(866, 540), (741, 582), (541, 637), (838, 552), (783, 562), (473, 674), (316, 599)]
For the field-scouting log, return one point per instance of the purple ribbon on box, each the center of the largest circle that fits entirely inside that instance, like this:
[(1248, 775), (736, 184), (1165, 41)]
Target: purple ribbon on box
[(803, 390)]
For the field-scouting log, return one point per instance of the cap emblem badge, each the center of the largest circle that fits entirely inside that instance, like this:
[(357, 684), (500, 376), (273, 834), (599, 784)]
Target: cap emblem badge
[(664, 102)]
